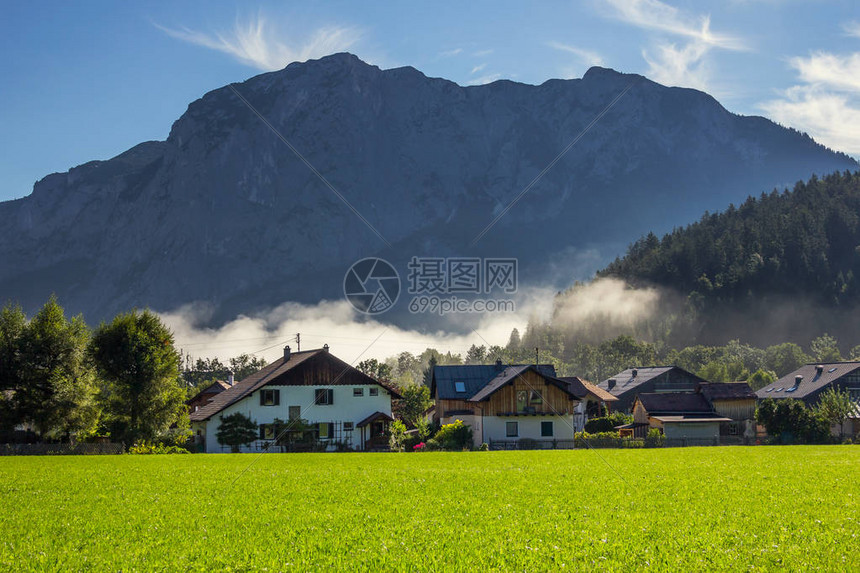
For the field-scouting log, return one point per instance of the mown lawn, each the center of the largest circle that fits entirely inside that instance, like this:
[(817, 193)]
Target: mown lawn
[(673, 509)]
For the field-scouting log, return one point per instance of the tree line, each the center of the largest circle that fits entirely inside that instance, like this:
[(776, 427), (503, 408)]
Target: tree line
[(63, 381)]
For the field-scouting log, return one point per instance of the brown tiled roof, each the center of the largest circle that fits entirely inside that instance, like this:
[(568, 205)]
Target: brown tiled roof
[(674, 403), (581, 388), (812, 382), (726, 391)]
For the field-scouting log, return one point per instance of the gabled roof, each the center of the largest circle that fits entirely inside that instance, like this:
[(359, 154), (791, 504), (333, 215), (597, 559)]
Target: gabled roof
[(374, 417), (215, 388), (632, 378), (813, 380), (722, 391), (274, 372), (582, 388), (474, 377), (674, 403)]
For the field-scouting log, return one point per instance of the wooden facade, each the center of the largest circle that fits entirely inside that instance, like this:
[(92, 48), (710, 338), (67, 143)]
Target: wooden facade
[(527, 394), (738, 410)]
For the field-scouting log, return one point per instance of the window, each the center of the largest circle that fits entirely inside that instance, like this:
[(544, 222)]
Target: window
[(358, 392), (323, 397), (295, 412), (512, 429), (347, 426), (733, 429), (374, 391), (459, 387), (269, 397), (325, 430), (535, 397), (546, 429), (267, 431)]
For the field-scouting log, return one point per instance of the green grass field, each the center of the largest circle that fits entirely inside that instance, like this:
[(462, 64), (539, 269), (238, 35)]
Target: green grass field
[(668, 509)]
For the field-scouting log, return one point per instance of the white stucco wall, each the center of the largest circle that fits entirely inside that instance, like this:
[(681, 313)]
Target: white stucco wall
[(495, 427), (345, 408)]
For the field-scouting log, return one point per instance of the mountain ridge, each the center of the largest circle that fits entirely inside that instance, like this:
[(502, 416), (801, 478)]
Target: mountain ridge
[(222, 211)]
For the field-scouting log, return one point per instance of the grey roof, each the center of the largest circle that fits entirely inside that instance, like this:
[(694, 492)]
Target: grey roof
[(674, 403), (626, 381), (726, 391), (474, 377), (812, 383)]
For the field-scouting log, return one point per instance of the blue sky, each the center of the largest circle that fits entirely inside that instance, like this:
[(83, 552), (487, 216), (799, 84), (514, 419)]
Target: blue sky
[(88, 81)]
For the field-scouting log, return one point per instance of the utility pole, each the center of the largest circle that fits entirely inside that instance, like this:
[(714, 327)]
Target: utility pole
[(298, 342), (537, 355)]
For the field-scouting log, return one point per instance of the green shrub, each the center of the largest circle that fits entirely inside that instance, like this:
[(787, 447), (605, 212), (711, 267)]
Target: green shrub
[(607, 423), (586, 440), (150, 448), (485, 447), (655, 438), (455, 436)]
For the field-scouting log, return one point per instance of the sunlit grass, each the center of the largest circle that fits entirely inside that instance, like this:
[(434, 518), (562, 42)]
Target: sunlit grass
[(679, 509)]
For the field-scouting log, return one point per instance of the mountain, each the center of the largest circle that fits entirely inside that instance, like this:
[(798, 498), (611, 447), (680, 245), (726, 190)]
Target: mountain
[(781, 266), (223, 211)]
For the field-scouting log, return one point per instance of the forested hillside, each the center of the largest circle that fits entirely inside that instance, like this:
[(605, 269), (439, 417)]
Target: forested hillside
[(781, 266)]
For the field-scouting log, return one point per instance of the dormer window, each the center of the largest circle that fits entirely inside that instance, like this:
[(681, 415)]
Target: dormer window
[(460, 387)]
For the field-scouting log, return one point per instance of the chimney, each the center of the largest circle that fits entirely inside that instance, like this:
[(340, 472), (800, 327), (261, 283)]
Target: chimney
[(611, 383), (286, 353), (230, 378), (797, 380), (635, 372), (325, 347), (819, 370), (498, 363)]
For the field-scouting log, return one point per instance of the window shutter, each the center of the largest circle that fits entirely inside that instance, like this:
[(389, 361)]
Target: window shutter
[(330, 396), (277, 397), (262, 401), (262, 431)]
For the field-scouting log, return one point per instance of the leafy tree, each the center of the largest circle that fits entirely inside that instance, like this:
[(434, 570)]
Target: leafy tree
[(761, 378), (789, 419), (244, 365), (236, 430), (416, 399), (373, 368), (785, 358), (720, 371), (476, 354), (835, 405), (13, 321), (135, 355), (514, 342), (396, 435), (825, 348), (55, 388)]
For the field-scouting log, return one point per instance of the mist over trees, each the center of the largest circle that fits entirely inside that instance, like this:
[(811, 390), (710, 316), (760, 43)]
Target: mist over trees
[(780, 267)]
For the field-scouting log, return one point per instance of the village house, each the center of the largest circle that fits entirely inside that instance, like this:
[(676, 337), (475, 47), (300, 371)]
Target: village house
[(808, 382), (651, 379), (208, 394), (733, 400), (343, 406), (513, 403), (684, 418)]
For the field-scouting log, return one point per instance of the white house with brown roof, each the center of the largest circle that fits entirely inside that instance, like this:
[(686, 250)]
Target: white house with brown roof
[(344, 406)]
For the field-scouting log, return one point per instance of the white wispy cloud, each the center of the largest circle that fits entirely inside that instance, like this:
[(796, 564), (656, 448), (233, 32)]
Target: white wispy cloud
[(669, 62), (655, 15), (852, 28), (482, 53), (588, 57), (255, 44), (827, 102), (478, 68), (487, 79), (450, 53)]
